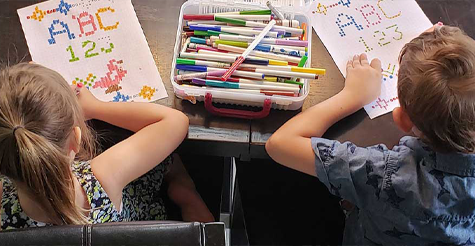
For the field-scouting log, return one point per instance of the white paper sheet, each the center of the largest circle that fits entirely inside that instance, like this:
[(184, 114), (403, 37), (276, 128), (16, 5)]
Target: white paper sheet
[(98, 43), (379, 28)]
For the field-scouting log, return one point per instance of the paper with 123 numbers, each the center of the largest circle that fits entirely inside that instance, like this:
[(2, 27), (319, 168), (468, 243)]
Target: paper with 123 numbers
[(97, 43), (379, 28)]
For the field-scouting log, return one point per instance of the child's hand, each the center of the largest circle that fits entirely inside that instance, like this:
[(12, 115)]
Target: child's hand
[(87, 101), (363, 80)]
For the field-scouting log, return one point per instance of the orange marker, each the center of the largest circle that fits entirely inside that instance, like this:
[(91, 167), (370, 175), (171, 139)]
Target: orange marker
[(304, 36)]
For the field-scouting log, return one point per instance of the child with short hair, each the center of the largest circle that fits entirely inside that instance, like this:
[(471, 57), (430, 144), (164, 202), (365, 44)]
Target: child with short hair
[(421, 192), (49, 174)]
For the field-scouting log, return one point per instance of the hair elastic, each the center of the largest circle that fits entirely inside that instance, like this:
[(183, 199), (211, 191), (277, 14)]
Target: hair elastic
[(16, 128)]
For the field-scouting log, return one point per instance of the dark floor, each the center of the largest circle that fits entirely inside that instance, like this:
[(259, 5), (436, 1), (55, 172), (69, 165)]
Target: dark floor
[(281, 206), (285, 207)]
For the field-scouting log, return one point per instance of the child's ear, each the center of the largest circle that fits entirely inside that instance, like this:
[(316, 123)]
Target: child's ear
[(402, 120), (75, 144)]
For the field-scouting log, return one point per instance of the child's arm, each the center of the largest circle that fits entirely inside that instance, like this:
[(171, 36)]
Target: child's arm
[(291, 144), (159, 131)]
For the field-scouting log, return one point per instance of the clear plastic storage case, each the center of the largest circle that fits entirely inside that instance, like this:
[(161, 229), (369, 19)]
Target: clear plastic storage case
[(217, 95)]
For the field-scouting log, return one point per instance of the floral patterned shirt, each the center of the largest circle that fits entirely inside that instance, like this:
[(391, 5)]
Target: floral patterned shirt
[(140, 199)]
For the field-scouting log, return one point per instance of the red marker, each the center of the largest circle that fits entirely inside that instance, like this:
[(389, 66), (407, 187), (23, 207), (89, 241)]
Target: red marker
[(78, 88)]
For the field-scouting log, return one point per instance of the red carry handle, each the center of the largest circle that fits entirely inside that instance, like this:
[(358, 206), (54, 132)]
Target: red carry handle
[(235, 113)]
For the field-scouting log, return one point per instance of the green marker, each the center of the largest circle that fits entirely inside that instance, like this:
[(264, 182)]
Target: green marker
[(232, 43), (303, 61)]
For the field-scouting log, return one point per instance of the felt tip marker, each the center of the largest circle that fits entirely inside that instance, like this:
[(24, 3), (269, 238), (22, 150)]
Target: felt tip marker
[(232, 85), (247, 23), (244, 38), (245, 74), (198, 75), (248, 12), (255, 82), (235, 30), (275, 11), (246, 52), (182, 61)]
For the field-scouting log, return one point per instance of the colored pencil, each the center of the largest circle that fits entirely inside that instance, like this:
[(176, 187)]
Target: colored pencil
[(247, 51)]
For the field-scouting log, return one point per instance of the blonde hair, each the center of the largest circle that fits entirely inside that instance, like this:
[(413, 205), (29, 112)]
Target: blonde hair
[(38, 112), (436, 88)]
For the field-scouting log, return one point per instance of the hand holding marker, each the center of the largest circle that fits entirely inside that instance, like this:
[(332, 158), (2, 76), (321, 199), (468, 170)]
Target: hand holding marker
[(251, 47)]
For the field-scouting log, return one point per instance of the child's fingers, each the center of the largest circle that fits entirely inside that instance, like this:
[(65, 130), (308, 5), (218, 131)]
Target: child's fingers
[(364, 59), (356, 61), (349, 64), (376, 64)]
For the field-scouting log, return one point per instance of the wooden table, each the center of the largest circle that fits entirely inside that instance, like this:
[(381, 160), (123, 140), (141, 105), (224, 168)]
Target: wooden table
[(357, 128), (208, 134)]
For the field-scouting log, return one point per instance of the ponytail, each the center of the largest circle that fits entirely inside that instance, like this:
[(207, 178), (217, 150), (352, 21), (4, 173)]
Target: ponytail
[(46, 172), (38, 112)]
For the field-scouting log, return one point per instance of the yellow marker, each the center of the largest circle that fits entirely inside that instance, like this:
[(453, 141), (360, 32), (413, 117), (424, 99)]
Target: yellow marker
[(271, 79), (232, 43), (278, 63), (308, 70)]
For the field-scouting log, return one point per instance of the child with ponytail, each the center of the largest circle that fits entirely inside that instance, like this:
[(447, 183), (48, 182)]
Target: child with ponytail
[(48, 159)]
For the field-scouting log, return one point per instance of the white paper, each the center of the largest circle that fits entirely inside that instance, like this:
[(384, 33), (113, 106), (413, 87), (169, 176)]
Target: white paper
[(98, 43), (379, 28)]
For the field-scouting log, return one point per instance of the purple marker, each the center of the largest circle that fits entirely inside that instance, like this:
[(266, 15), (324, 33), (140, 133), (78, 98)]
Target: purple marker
[(198, 75)]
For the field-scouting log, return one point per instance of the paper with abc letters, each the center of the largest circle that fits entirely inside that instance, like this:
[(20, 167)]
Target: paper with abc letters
[(379, 28), (97, 43)]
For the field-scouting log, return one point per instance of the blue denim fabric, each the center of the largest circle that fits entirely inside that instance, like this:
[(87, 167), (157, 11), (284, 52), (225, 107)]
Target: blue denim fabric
[(409, 195)]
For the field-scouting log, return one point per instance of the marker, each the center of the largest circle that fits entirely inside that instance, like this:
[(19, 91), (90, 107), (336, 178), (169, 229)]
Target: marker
[(243, 38), (198, 75), (205, 47), (207, 22), (254, 82), (246, 74), (275, 11), (185, 45), (270, 61), (221, 57), (287, 68), (283, 73), (249, 49), (247, 23), (304, 36), (236, 30), (78, 88), (201, 63), (303, 61), (260, 53), (284, 51), (248, 12), (197, 40), (289, 23), (232, 85), (212, 17), (232, 43), (246, 39)]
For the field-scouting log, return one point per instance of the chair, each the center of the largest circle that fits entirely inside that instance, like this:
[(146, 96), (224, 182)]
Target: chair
[(144, 233)]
